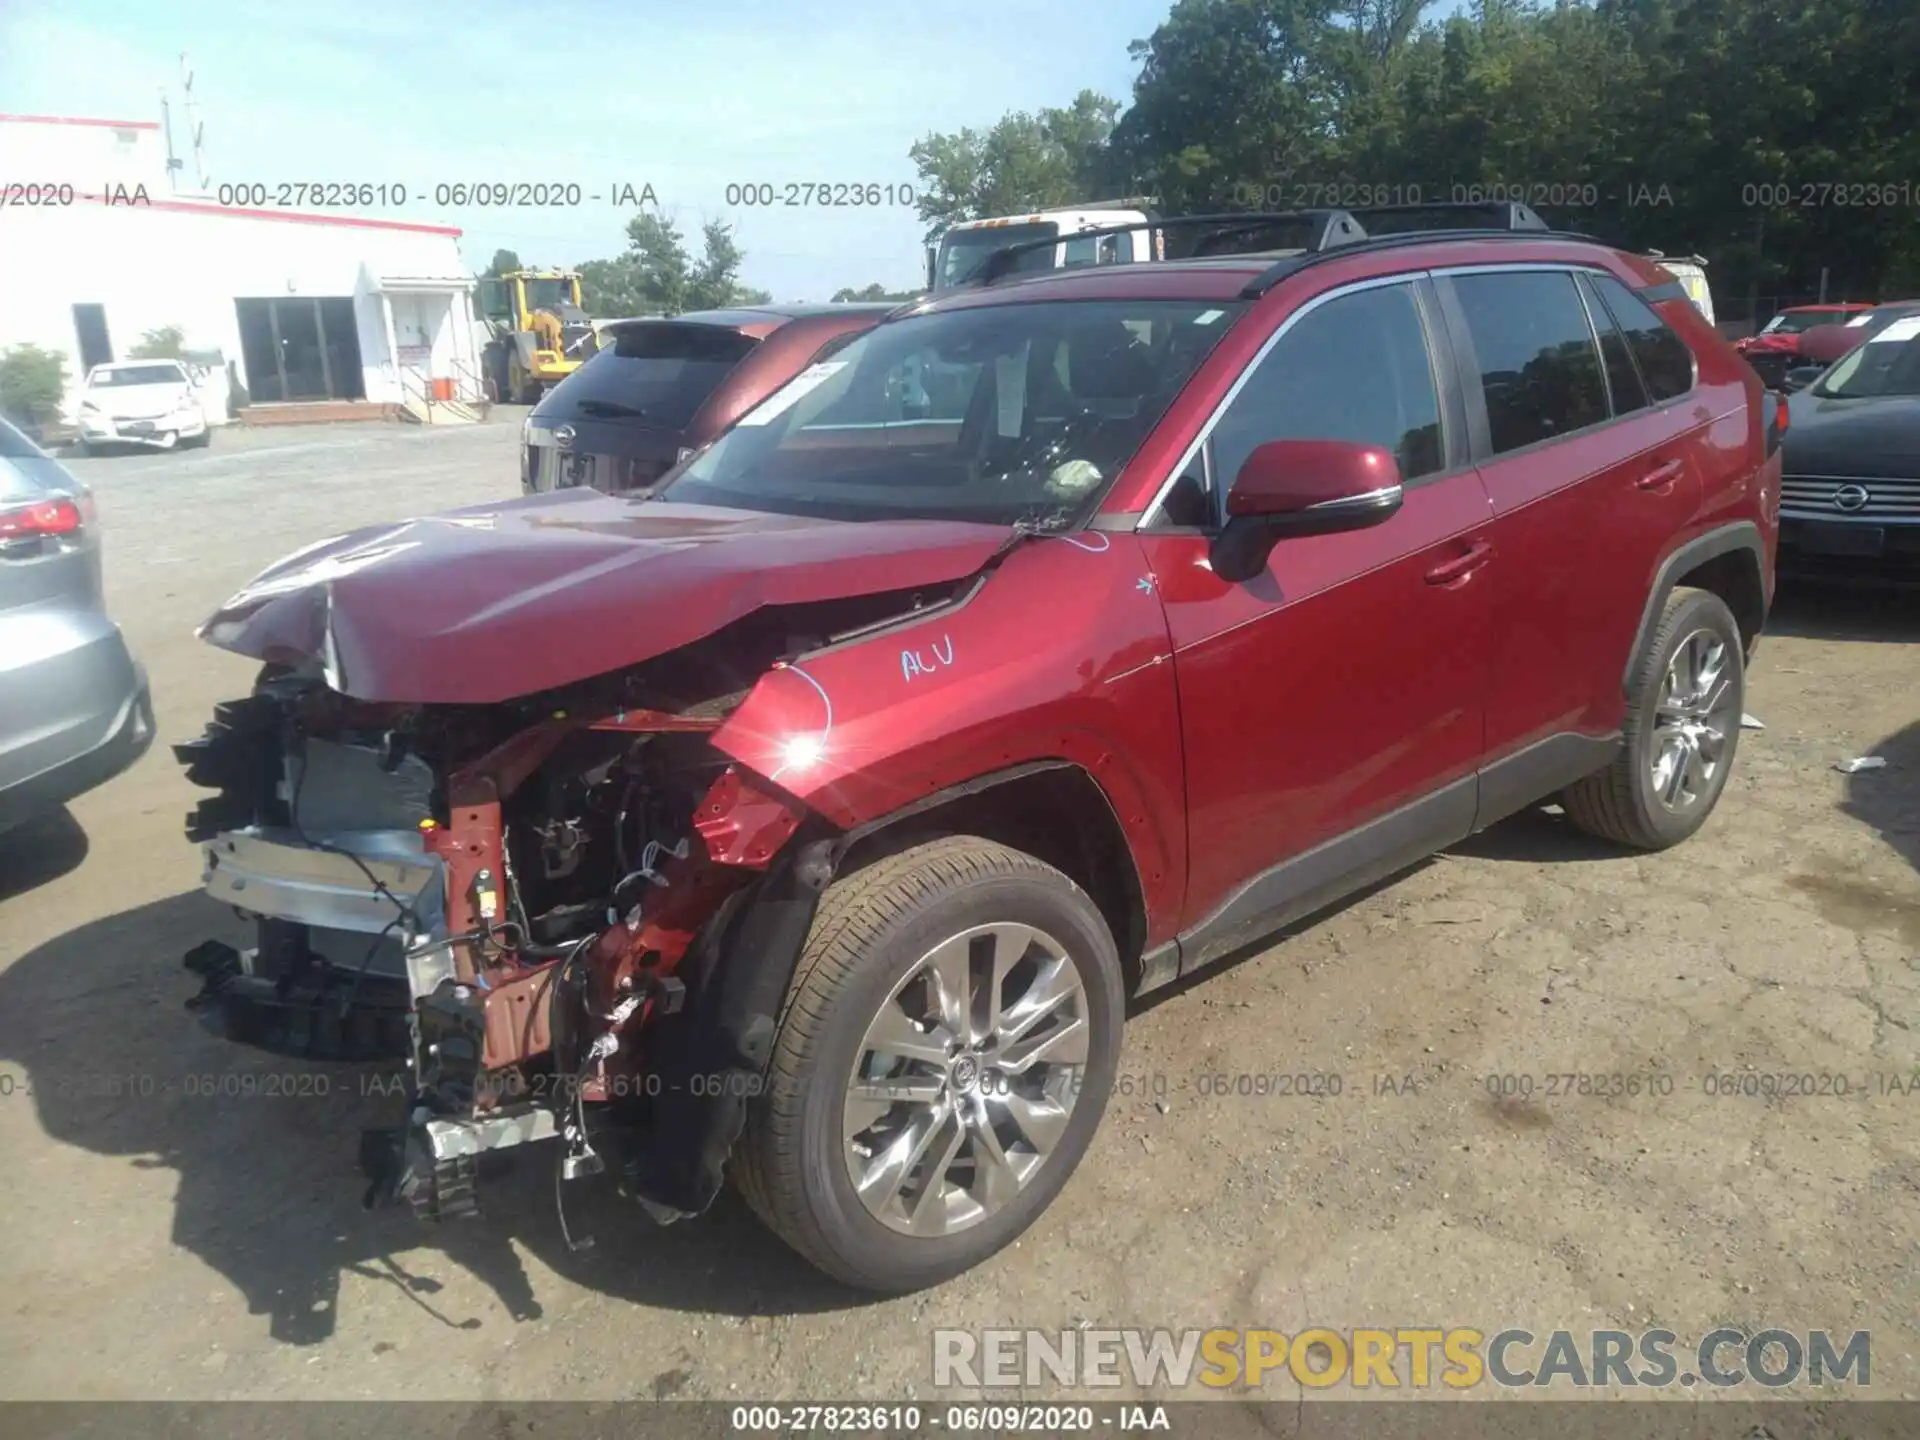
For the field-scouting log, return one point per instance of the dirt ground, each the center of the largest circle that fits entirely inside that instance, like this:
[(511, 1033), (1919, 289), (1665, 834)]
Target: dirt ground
[(217, 1249)]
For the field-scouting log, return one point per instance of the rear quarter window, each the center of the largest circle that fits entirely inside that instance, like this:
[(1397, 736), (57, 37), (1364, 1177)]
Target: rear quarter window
[(1663, 357)]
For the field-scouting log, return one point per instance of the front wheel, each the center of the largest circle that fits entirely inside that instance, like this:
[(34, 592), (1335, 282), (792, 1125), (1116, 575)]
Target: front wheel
[(946, 1051), (1682, 728)]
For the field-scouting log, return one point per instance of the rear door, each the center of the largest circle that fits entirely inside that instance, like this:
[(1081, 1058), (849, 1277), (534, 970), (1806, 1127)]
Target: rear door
[(1591, 477), (1331, 707)]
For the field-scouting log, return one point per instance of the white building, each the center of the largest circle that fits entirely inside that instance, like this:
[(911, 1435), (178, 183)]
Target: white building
[(301, 305)]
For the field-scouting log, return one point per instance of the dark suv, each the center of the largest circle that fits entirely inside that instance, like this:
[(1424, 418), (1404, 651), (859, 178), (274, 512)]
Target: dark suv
[(810, 821), (659, 389)]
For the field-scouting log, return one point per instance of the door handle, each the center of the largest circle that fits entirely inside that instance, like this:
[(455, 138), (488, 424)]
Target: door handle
[(1448, 572), (1660, 479)]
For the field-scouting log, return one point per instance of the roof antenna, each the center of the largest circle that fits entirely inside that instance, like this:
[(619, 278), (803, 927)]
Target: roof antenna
[(196, 131), (166, 127)]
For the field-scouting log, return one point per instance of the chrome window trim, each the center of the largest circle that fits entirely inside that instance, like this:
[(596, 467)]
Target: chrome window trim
[(1153, 517)]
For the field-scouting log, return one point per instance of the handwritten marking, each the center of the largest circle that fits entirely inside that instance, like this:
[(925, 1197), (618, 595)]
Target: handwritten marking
[(911, 664)]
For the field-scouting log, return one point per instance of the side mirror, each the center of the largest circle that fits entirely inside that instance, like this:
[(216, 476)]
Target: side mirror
[(1289, 488)]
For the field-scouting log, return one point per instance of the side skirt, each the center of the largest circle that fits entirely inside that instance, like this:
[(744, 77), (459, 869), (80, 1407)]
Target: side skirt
[(1303, 884)]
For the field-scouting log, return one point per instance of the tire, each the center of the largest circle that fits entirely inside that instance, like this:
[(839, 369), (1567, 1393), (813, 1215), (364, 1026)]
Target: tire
[(1623, 802), (876, 930), (203, 440)]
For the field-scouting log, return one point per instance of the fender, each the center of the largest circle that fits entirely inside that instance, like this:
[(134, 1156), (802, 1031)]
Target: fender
[(1733, 537), (858, 732), (713, 1061)]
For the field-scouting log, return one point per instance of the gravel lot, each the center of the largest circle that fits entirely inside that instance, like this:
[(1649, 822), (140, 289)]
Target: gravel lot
[(216, 1248)]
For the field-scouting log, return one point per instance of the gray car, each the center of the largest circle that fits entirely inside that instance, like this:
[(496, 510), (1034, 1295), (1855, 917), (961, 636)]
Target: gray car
[(74, 707)]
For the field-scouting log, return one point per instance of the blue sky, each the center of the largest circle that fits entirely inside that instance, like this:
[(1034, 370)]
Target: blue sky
[(687, 97)]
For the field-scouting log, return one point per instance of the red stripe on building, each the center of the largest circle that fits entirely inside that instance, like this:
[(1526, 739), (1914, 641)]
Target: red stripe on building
[(296, 217), (79, 120)]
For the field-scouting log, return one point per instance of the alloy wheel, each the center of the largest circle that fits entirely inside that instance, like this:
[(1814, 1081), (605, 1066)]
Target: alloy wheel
[(1694, 720), (966, 1079)]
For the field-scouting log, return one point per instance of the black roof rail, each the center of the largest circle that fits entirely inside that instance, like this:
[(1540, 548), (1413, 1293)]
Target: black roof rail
[(1316, 230), (1294, 264), (1449, 215)]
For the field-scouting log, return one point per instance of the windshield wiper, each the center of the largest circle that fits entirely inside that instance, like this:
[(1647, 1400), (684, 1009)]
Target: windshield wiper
[(610, 408)]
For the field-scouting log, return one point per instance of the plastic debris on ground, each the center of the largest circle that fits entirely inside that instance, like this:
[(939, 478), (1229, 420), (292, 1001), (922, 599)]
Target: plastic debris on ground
[(1861, 762), (1747, 722)]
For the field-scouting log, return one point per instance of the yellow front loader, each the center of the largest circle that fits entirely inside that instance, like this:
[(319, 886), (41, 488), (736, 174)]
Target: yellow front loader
[(540, 333)]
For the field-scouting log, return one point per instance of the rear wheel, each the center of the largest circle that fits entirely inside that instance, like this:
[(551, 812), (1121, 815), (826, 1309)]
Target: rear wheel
[(948, 1045), (1682, 729)]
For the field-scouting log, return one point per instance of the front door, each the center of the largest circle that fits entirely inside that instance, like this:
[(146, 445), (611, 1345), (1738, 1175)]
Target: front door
[(1332, 707)]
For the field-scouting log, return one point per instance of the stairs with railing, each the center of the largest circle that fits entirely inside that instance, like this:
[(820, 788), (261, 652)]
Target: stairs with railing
[(419, 405)]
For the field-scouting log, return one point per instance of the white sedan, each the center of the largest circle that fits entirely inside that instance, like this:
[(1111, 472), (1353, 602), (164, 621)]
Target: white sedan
[(152, 403)]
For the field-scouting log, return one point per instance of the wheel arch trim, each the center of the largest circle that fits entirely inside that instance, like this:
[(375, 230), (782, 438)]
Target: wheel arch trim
[(1735, 537)]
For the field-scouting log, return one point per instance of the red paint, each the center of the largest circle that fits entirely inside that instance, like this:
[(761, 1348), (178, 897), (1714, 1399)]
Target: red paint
[(293, 217), (496, 602)]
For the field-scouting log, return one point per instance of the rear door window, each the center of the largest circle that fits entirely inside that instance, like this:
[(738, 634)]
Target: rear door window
[(1663, 357), (655, 375), (1539, 365)]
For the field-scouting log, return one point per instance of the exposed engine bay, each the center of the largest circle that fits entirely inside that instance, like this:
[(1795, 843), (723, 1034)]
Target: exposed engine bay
[(570, 915)]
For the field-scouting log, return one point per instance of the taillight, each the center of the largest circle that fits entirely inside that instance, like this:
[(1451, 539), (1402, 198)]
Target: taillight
[(44, 519), (1776, 417)]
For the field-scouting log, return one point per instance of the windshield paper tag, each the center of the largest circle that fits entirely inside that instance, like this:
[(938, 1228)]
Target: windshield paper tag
[(797, 389), (1900, 330), (1010, 384), (1207, 317)]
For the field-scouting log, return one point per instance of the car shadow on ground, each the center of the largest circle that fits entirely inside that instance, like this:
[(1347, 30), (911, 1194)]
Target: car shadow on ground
[(1829, 608), (1889, 799), (40, 851), (268, 1192)]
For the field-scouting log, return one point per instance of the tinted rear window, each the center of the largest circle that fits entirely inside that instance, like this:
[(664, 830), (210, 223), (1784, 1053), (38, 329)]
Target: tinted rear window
[(1623, 378), (1664, 359), (663, 372), (15, 446), (1539, 366), (26, 473)]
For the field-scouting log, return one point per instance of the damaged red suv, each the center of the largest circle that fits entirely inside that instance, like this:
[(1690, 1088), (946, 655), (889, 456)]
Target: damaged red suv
[(811, 822)]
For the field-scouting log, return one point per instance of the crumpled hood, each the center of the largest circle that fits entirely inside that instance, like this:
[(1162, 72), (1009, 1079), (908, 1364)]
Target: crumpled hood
[(485, 604)]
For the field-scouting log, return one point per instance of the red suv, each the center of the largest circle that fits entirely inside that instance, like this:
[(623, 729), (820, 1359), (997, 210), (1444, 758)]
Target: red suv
[(813, 819)]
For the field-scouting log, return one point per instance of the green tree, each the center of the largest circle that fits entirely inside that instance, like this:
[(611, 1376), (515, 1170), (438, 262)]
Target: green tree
[(1025, 161), (870, 294), (657, 275), (166, 343), (32, 383), (503, 262)]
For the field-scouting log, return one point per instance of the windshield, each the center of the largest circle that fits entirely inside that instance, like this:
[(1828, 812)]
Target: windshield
[(963, 251), (1888, 364), (137, 375), (1794, 322), (1002, 414), (547, 294), (657, 375)]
